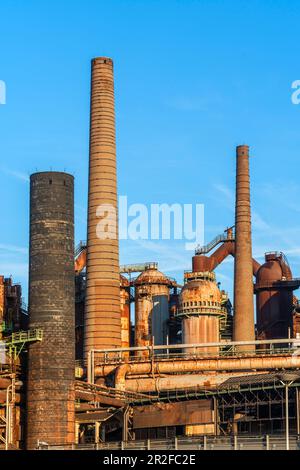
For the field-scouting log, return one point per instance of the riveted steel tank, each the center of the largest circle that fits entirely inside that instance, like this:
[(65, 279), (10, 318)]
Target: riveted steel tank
[(200, 309), (125, 312), (151, 308), (51, 362)]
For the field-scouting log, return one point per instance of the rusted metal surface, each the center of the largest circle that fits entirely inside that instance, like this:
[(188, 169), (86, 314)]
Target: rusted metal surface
[(3, 397), (179, 366), (243, 327), (180, 381), (2, 304), (80, 261), (274, 298), (173, 414), (104, 400), (202, 263), (51, 362), (102, 310), (200, 309), (296, 323), (151, 295), (4, 383), (12, 315), (210, 263), (95, 416), (201, 328), (125, 312)]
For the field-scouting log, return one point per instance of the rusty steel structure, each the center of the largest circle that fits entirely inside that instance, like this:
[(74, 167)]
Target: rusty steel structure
[(198, 364), (2, 305), (102, 326), (125, 311), (51, 363), (187, 365), (274, 297), (243, 327), (13, 311), (152, 291), (200, 309)]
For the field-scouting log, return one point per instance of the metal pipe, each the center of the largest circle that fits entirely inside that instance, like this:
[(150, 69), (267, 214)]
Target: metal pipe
[(243, 329), (175, 382), (287, 427), (216, 416), (196, 365), (297, 411), (10, 401)]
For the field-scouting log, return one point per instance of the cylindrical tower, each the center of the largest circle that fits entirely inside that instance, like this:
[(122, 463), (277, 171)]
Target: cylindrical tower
[(274, 298), (151, 308), (200, 310), (243, 328), (102, 311), (125, 311), (50, 384)]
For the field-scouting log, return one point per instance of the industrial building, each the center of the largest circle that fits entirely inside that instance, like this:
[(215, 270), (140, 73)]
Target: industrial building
[(193, 369)]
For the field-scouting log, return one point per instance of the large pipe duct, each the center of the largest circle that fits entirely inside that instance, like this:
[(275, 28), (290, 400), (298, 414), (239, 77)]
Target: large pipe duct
[(203, 380), (102, 314), (243, 327), (172, 366), (51, 362)]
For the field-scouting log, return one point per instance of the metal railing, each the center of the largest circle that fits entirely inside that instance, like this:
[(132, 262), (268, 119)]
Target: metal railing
[(79, 248), (26, 336), (15, 343), (172, 351), (122, 395), (139, 267), (237, 442), (227, 236)]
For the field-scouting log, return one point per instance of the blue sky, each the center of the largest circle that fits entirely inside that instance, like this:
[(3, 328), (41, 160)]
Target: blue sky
[(193, 79)]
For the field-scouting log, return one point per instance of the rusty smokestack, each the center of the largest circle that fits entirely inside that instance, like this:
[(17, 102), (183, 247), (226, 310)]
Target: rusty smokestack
[(243, 328), (102, 315)]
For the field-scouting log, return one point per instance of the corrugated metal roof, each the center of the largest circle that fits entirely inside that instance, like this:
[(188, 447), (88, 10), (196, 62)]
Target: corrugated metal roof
[(271, 377)]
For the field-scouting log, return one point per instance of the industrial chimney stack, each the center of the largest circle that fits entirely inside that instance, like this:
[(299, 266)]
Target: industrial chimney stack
[(243, 272), (102, 315), (51, 362)]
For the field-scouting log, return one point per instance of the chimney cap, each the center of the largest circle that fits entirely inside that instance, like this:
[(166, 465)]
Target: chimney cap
[(242, 150), (244, 146), (102, 60)]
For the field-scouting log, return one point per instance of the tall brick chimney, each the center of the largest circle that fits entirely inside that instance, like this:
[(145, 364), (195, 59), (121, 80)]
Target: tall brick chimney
[(243, 328), (102, 315)]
